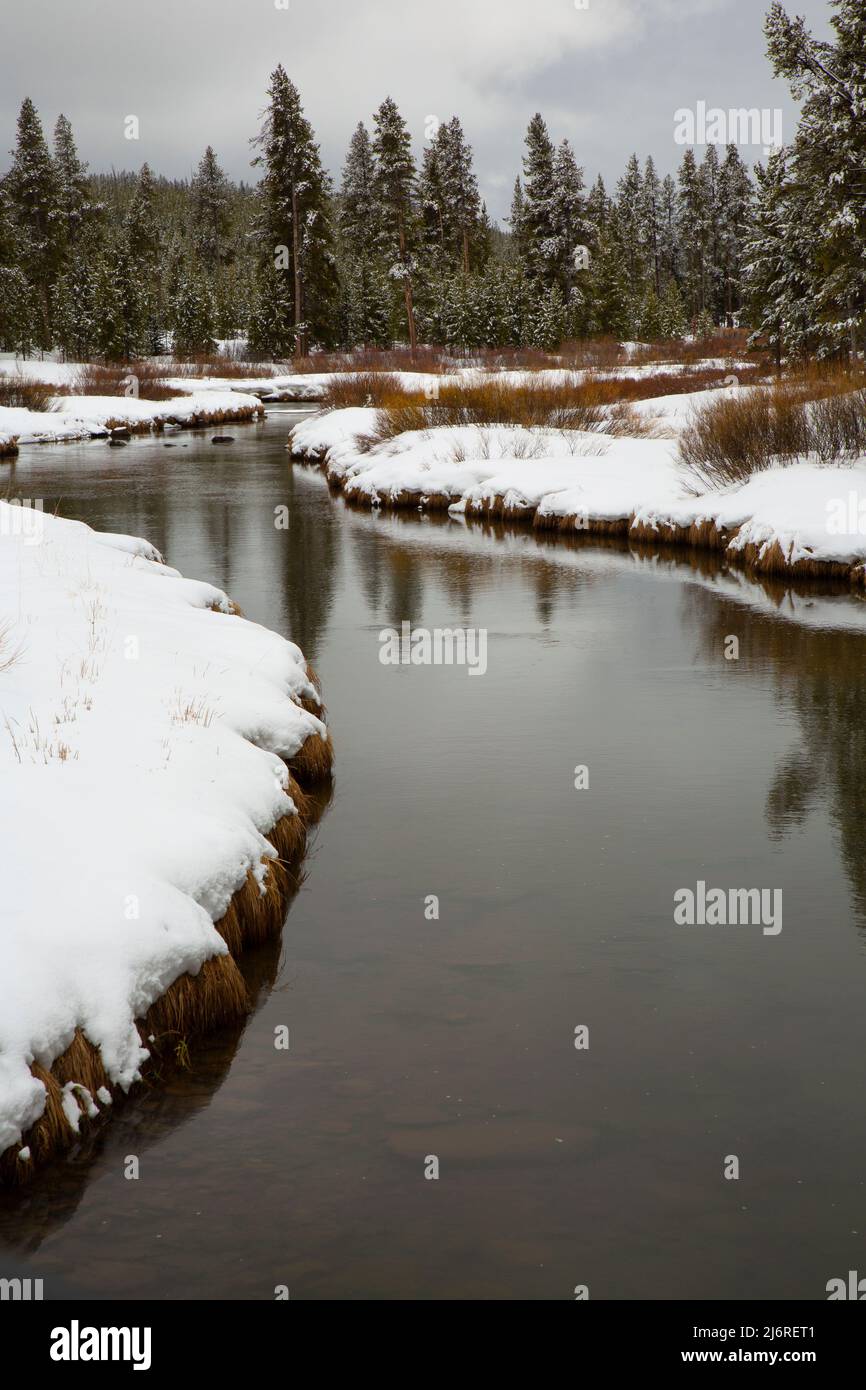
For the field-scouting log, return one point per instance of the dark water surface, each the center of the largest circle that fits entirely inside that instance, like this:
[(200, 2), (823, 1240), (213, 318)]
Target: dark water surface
[(455, 1037)]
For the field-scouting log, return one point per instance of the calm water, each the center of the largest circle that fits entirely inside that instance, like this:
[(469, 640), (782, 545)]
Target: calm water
[(455, 1037)]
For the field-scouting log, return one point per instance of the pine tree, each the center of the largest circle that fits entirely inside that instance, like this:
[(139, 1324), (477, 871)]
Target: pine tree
[(73, 202), (571, 228), (138, 258), (651, 215), (516, 222), (691, 224), (711, 232), (211, 215), (669, 248), (394, 187), (778, 269), (461, 203), (630, 220), (32, 187), (672, 315), (537, 222), (15, 330), (828, 164), (735, 201), (293, 227), (193, 314)]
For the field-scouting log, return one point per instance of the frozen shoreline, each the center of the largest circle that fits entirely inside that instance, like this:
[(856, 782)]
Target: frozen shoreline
[(803, 518), (154, 738), (90, 417)]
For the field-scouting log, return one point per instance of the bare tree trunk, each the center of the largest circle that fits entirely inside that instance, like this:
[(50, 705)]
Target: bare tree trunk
[(300, 335)]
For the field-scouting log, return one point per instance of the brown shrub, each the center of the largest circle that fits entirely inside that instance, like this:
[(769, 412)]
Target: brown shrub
[(730, 439), (381, 389), (816, 410), (212, 364), (22, 392), (111, 379), (491, 400)]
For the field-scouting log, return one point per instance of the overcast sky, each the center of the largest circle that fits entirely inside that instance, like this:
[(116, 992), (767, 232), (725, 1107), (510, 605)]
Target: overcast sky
[(609, 77)]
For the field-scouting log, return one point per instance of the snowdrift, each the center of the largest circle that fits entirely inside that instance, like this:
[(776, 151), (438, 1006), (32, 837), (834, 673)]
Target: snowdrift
[(152, 743)]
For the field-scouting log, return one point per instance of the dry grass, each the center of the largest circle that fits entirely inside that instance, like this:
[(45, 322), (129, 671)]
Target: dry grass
[(381, 389), (575, 405), (112, 379), (24, 393), (9, 655), (212, 364), (819, 412), (585, 403)]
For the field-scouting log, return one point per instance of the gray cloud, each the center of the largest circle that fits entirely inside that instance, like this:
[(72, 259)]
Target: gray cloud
[(609, 77)]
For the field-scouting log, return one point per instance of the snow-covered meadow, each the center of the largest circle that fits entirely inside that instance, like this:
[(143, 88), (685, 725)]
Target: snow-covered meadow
[(146, 731)]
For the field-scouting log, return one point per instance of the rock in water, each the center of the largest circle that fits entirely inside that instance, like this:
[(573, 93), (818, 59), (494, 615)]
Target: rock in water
[(223, 439)]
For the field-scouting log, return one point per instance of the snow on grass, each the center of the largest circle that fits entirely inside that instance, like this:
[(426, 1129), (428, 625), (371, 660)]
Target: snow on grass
[(141, 744), (85, 417), (810, 512), (804, 513)]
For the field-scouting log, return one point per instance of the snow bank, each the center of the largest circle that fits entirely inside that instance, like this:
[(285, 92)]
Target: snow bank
[(800, 516), (85, 417), (142, 738), (803, 514)]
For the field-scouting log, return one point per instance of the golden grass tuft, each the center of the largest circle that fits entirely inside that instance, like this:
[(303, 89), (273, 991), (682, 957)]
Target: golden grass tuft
[(193, 1004), (314, 761)]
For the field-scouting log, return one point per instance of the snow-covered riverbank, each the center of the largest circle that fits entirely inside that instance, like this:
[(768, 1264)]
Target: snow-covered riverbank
[(149, 745), (87, 417), (803, 518)]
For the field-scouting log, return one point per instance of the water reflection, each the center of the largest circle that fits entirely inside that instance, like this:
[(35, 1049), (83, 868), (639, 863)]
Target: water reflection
[(819, 673)]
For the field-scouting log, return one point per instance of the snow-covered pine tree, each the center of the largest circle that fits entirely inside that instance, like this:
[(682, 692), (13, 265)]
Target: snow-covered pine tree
[(365, 293), (691, 231), (74, 310), (612, 308), (137, 268), (778, 271), (736, 195), (462, 204), (293, 227), (517, 243), (193, 313), (538, 230), (672, 315), (669, 249), (211, 215), (829, 160), (630, 220), (651, 213), (32, 188), (73, 201), (711, 184), (396, 217), (15, 331), (118, 309), (571, 229), (432, 203)]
